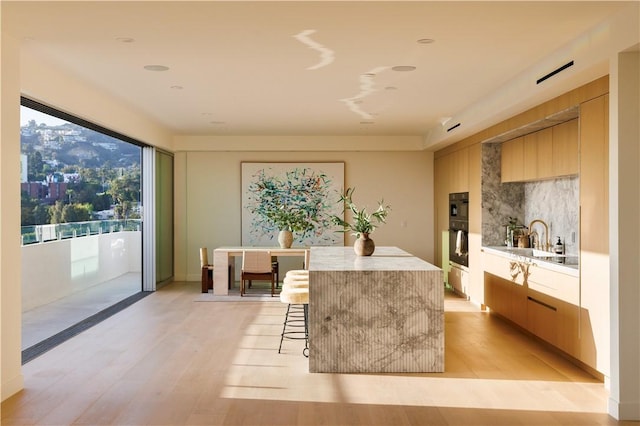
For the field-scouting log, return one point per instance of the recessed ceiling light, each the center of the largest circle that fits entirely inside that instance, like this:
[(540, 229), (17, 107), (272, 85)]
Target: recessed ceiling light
[(156, 68), (125, 39), (426, 41), (404, 68)]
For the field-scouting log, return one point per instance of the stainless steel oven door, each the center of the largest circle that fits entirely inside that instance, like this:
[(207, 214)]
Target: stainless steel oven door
[(459, 246)]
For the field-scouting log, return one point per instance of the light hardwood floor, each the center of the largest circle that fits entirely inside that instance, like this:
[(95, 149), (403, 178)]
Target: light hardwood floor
[(168, 360)]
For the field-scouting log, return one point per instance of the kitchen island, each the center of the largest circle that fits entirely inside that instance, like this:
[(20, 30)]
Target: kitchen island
[(374, 314)]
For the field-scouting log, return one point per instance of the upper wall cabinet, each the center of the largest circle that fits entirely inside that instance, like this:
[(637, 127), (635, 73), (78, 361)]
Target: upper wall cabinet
[(565, 148), (512, 161), (548, 153)]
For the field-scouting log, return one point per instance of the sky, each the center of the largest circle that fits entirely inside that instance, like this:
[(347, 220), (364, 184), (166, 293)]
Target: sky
[(27, 114)]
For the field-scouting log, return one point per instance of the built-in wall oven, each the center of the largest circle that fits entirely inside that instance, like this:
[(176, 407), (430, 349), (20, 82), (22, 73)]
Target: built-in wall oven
[(459, 228)]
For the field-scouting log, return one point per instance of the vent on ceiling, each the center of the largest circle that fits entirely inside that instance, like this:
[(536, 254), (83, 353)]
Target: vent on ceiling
[(453, 127), (554, 72)]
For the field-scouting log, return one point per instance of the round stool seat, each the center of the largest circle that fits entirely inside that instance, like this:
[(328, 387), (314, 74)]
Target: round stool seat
[(295, 296), (295, 286), (294, 279)]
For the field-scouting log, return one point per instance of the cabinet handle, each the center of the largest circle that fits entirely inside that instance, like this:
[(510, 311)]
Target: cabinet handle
[(542, 303)]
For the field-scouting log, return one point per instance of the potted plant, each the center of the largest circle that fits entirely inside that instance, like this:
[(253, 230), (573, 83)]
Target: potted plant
[(287, 220), (363, 223)]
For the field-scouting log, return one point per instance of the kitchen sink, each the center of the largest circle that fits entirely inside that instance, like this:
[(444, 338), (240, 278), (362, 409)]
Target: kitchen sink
[(541, 255), (529, 252)]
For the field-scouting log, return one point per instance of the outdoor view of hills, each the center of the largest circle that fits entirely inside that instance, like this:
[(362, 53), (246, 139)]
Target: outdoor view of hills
[(72, 174)]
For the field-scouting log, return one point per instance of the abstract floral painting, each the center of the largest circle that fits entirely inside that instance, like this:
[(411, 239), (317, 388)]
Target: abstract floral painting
[(311, 190)]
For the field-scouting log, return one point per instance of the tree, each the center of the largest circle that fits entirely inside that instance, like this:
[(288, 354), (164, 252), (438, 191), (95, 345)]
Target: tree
[(26, 209), (55, 212), (35, 167), (76, 212), (32, 212), (125, 190), (41, 215)]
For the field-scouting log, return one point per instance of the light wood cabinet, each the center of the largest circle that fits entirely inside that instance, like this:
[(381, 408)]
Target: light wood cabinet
[(538, 148), (568, 320), (547, 153), (511, 164), (475, 290), (530, 157), (506, 298), (541, 316), (460, 169), (594, 233), (452, 175), (546, 302), (565, 149), (441, 194), (459, 279), (544, 162)]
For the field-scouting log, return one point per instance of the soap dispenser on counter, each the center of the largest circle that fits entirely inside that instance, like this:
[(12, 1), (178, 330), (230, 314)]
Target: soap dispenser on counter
[(558, 248)]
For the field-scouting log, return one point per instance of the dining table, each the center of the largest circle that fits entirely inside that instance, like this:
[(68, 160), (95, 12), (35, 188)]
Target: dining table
[(224, 261)]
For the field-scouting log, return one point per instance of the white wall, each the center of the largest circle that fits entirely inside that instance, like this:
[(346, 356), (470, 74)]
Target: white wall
[(76, 264), (10, 315), (45, 83), (26, 75), (208, 199), (624, 235)]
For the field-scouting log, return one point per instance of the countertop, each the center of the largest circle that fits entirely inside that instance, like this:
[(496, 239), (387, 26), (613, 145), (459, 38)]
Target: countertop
[(565, 264), (383, 259)]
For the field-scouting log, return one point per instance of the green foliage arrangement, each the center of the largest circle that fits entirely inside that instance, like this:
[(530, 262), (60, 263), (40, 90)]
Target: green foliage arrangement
[(287, 218), (294, 202), (363, 222)]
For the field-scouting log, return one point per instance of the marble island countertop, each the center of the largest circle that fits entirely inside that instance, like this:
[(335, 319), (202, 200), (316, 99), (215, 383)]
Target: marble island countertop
[(564, 264), (374, 314), (383, 259)]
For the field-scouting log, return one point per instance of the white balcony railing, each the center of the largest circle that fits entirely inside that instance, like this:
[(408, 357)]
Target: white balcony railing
[(60, 267), (34, 234)]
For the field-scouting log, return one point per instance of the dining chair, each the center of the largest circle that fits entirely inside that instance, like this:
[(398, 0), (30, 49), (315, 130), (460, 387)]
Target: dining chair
[(256, 266), (206, 269)]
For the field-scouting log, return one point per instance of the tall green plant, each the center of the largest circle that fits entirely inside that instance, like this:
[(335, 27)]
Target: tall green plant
[(363, 222)]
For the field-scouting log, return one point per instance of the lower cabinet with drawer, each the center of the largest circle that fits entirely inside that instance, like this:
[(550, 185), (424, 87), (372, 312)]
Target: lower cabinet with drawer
[(507, 298), (542, 316), (459, 279), (545, 303)]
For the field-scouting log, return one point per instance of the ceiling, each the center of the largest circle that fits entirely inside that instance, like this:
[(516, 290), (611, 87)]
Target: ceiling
[(299, 68)]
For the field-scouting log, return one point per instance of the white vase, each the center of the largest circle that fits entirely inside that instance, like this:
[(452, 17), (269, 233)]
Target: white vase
[(285, 239)]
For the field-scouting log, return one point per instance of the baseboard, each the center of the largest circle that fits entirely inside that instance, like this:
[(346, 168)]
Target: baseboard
[(624, 410)]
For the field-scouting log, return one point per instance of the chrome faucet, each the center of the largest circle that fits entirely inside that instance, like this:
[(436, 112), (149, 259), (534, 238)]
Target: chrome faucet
[(546, 245)]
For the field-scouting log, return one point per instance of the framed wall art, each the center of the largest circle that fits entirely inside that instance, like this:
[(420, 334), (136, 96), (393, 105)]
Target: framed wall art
[(303, 195)]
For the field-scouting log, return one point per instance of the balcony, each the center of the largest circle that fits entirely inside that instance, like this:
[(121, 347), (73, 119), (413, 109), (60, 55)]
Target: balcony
[(72, 271)]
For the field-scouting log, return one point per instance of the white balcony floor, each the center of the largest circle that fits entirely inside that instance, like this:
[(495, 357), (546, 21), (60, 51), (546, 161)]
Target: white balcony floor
[(47, 320)]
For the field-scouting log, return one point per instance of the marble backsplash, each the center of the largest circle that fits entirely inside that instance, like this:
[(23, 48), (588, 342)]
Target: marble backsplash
[(499, 201), (555, 201)]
